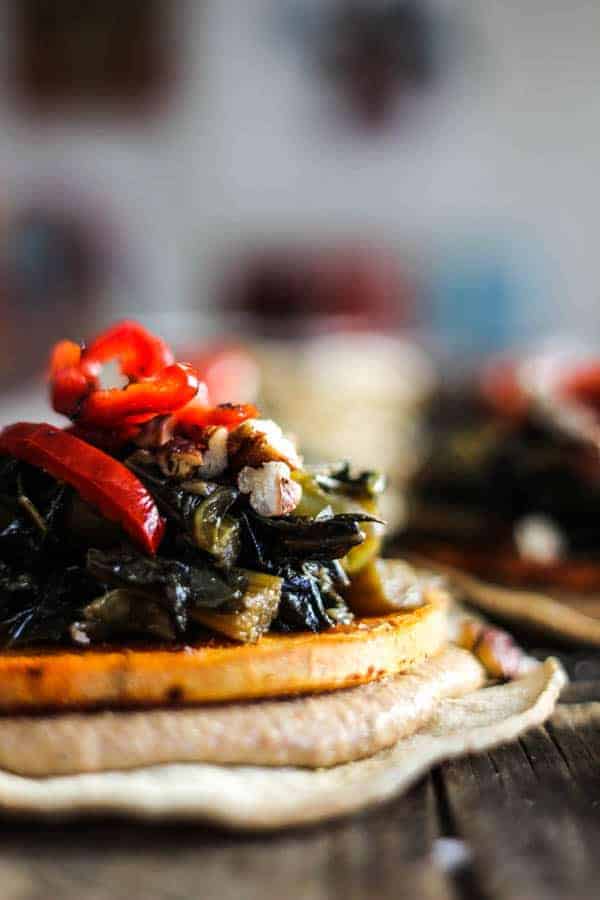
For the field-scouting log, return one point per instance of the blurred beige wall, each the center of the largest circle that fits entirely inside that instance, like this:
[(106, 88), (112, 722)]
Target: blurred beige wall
[(510, 140)]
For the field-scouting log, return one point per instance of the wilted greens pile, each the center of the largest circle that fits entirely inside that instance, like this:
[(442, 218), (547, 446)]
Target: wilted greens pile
[(67, 574)]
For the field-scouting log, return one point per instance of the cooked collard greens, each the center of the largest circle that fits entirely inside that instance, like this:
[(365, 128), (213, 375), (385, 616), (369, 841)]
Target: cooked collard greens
[(69, 574)]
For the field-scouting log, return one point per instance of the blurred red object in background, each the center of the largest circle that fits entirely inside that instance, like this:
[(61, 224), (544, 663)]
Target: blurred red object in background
[(300, 292), (510, 384), (501, 389), (229, 370)]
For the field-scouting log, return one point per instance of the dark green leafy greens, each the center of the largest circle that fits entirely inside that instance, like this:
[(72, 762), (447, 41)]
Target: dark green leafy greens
[(365, 485), (39, 609), (308, 538), (199, 508), (175, 585), (31, 506), (67, 575), (42, 586), (215, 532), (310, 599), (124, 612)]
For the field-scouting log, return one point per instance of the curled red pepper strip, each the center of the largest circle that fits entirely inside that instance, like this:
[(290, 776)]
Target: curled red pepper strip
[(140, 354), (99, 479), (158, 385), (229, 415), (68, 383), (68, 389), (166, 392), (64, 355)]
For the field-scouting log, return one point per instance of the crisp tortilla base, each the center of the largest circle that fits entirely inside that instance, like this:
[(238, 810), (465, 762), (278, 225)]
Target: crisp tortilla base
[(262, 798)]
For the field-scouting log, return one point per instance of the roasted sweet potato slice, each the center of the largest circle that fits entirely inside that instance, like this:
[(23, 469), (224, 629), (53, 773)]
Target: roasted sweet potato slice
[(218, 671)]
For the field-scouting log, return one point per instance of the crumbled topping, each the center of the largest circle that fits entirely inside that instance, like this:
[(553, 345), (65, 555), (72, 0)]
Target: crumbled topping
[(258, 441), (183, 459), (272, 491), (179, 458)]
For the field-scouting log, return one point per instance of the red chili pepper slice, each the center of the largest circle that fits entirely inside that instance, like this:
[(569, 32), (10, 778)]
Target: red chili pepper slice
[(230, 415), (140, 353), (98, 478), (168, 391)]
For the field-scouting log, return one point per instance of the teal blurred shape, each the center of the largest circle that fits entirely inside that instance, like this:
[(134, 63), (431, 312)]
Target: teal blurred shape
[(484, 294)]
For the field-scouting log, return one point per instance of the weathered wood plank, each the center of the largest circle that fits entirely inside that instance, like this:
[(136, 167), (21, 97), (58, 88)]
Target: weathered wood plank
[(576, 732), (386, 854), (545, 758), (533, 829), (389, 853), (581, 692)]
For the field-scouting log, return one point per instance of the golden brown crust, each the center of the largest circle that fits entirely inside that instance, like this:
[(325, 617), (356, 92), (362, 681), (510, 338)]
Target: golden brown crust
[(215, 672)]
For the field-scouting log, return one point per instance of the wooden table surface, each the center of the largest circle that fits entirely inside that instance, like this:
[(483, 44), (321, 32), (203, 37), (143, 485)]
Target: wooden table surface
[(520, 822)]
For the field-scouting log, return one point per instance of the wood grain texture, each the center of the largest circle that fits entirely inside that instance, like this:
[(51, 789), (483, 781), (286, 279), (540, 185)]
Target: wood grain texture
[(387, 855), (529, 812)]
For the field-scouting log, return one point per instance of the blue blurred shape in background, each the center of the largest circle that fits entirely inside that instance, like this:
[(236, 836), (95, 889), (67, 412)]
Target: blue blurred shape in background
[(482, 295)]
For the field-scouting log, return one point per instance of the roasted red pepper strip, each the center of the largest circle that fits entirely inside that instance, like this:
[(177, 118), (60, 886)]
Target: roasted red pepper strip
[(228, 414), (68, 389), (64, 355), (194, 418), (109, 439), (140, 354), (159, 386), (168, 391), (98, 478), (69, 385)]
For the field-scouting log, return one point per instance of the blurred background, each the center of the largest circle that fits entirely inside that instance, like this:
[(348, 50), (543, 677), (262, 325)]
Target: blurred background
[(328, 204)]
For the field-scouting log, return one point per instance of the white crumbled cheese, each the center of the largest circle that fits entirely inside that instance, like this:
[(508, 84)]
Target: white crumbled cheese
[(214, 458), (261, 440), (272, 491), (276, 441), (539, 539)]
